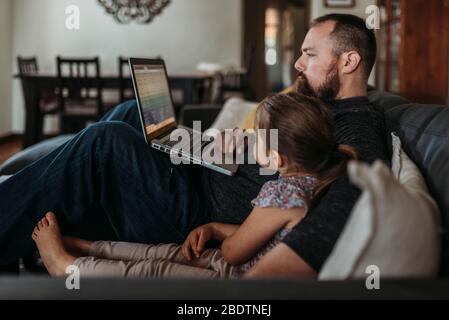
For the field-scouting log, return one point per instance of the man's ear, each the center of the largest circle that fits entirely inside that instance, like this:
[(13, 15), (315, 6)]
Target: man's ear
[(350, 62)]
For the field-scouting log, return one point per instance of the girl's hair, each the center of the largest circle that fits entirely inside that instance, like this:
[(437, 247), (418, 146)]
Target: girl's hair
[(306, 129)]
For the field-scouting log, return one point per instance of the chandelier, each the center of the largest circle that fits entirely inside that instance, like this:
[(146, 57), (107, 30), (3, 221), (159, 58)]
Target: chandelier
[(142, 11)]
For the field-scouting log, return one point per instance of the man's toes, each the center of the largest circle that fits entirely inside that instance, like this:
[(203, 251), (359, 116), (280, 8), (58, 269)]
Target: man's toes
[(51, 218), (34, 236)]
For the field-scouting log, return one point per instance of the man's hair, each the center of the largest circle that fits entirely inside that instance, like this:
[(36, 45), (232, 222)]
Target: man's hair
[(350, 33)]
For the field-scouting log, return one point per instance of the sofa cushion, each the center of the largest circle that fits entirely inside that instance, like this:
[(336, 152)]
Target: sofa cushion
[(394, 225), (385, 100), (424, 132), (233, 114), (249, 121), (31, 154)]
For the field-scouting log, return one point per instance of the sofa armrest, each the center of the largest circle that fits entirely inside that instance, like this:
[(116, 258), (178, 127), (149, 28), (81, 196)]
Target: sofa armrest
[(385, 100), (205, 113), (205, 289), (31, 154)]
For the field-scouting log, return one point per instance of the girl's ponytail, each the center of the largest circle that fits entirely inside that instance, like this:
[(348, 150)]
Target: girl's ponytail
[(336, 167)]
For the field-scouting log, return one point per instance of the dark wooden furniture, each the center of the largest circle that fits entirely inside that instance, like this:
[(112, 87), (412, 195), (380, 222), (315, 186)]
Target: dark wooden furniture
[(80, 94), (424, 63), (27, 65), (237, 81), (232, 83), (413, 58), (47, 102), (189, 83)]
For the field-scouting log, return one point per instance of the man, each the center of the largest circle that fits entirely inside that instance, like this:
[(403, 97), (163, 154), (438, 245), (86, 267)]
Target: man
[(107, 177), (338, 55)]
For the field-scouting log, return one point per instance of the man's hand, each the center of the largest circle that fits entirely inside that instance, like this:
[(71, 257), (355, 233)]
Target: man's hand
[(281, 262), (232, 141), (196, 241)]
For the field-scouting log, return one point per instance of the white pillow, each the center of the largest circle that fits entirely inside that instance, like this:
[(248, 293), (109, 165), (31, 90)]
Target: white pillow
[(393, 226), (233, 113), (4, 178)]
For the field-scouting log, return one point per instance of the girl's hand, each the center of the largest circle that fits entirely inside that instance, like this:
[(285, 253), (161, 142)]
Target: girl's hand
[(196, 241)]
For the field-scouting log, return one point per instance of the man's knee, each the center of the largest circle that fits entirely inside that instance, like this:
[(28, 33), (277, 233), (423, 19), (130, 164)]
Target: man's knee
[(114, 130), (127, 106), (122, 112)]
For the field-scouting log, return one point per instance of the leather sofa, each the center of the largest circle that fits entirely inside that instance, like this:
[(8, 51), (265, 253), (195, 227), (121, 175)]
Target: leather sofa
[(424, 131)]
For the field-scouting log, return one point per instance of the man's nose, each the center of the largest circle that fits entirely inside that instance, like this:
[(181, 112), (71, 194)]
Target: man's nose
[(299, 65)]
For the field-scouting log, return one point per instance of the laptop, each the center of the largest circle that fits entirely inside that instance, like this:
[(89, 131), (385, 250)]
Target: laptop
[(157, 115)]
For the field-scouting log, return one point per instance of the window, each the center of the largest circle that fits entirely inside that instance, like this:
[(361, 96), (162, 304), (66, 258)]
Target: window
[(271, 36)]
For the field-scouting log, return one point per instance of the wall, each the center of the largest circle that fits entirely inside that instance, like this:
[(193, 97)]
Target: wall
[(187, 32), (317, 9), (5, 66)]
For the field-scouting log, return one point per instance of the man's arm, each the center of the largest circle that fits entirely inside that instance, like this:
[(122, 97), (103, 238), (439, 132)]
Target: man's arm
[(281, 262)]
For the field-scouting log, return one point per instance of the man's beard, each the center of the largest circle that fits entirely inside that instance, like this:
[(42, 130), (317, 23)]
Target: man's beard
[(327, 91)]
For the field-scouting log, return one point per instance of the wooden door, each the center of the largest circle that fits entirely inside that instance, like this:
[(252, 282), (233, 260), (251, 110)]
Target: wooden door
[(424, 57), (254, 45)]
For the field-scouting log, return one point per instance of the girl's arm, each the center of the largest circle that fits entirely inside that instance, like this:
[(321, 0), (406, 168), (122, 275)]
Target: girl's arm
[(196, 240), (260, 226), (221, 231)]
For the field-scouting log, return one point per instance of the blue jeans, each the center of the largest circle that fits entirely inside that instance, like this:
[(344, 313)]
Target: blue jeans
[(106, 181)]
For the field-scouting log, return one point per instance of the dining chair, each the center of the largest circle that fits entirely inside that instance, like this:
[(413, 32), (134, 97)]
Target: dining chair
[(80, 92), (48, 104)]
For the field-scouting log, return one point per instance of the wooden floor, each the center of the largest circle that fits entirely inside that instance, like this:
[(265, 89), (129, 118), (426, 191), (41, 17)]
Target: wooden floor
[(9, 148)]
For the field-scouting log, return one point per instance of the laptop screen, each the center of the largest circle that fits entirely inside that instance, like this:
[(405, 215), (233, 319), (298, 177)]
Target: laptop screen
[(154, 96)]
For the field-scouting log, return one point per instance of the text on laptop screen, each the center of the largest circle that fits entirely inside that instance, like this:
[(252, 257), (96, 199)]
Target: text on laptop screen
[(154, 97)]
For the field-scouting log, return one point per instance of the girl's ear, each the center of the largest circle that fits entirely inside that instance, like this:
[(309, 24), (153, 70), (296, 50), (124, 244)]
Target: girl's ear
[(276, 160)]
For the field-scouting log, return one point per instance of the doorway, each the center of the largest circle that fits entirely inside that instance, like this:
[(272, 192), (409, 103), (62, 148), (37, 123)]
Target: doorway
[(285, 29), (273, 33)]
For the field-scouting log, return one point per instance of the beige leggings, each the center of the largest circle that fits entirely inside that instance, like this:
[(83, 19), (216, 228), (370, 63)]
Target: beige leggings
[(121, 259)]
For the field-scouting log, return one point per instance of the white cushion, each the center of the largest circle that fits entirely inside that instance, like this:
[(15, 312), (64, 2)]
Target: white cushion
[(393, 226), (233, 113), (4, 178)]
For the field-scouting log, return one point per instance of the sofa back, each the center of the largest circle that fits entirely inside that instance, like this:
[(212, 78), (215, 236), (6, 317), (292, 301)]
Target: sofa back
[(424, 131)]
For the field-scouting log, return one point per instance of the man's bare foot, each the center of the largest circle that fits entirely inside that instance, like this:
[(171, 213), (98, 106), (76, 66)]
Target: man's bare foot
[(49, 242), (77, 247)]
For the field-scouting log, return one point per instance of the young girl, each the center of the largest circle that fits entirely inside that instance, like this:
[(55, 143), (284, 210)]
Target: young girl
[(307, 160)]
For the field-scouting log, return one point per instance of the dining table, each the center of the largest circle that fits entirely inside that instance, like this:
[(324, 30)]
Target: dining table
[(34, 86)]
